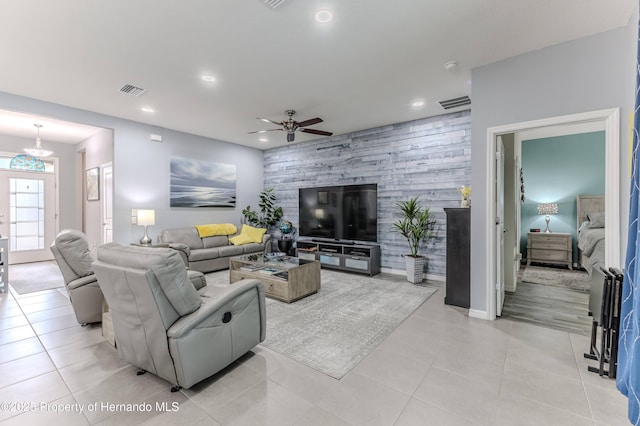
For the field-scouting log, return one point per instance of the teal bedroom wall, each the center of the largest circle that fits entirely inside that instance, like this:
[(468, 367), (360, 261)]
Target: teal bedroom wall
[(556, 170)]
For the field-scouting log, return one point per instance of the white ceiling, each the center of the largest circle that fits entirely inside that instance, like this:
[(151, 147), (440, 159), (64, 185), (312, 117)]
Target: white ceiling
[(23, 125), (362, 70)]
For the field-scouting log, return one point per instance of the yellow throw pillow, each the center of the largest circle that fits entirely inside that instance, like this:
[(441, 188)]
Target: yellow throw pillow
[(213, 229), (255, 234), (240, 239)]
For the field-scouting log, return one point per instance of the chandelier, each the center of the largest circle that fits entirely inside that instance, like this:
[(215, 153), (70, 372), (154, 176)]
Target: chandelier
[(38, 151)]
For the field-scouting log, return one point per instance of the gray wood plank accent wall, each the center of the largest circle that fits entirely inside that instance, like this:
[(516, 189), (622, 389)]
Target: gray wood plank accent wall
[(429, 157)]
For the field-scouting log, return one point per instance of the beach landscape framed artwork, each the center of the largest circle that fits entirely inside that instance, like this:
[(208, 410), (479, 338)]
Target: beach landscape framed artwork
[(196, 183)]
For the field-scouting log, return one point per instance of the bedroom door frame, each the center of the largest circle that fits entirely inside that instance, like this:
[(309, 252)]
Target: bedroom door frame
[(499, 224), (611, 120)]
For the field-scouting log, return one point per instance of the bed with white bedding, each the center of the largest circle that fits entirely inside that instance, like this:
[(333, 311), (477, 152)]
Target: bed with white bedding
[(591, 247), (591, 242), (591, 232)]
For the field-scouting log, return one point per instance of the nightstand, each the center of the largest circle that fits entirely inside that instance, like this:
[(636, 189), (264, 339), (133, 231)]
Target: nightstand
[(550, 247)]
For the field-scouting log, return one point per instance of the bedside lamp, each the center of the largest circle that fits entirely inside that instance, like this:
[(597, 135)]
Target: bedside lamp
[(547, 209), (146, 218)]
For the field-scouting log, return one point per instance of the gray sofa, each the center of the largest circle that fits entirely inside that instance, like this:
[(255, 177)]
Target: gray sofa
[(165, 326), (208, 254)]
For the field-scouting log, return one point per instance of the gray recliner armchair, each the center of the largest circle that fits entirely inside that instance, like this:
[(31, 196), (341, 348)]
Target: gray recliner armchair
[(165, 326), (71, 251)]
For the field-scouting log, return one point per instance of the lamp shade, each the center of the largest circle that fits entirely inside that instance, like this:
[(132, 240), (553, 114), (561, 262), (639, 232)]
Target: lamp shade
[(146, 217), (548, 208)]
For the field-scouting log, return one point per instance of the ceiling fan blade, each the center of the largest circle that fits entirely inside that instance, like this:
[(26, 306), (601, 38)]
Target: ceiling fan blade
[(264, 131), (291, 136), (310, 122), (266, 120), (316, 132)]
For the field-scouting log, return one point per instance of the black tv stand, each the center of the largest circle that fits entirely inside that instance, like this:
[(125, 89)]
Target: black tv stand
[(342, 255)]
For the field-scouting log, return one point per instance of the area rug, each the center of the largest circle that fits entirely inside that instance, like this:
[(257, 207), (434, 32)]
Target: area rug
[(575, 280), (333, 330), (33, 277)]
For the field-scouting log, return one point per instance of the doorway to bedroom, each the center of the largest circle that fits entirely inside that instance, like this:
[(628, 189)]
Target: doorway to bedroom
[(551, 167)]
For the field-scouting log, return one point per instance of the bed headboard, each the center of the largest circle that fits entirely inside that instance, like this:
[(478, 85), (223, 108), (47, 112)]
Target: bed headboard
[(588, 204)]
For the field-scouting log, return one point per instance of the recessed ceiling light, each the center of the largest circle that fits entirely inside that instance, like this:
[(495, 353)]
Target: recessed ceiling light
[(323, 16), (417, 104), (264, 140), (147, 109), (208, 78)]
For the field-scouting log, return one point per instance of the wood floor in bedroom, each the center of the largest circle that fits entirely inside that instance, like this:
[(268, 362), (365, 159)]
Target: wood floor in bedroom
[(548, 306)]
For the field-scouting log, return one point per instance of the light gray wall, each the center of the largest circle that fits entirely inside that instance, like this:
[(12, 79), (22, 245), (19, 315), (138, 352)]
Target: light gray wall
[(587, 74), (65, 154), (428, 157), (141, 169), (98, 151), (143, 176)]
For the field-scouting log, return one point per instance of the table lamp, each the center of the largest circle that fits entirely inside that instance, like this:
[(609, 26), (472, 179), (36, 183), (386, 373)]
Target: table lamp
[(146, 218), (547, 209)]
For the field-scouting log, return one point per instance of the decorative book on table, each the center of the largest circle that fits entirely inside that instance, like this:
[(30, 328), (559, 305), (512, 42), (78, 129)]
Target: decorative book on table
[(268, 271), (250, 268)]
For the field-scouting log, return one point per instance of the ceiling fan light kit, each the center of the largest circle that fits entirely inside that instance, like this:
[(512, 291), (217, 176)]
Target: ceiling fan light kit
[(291, 126)]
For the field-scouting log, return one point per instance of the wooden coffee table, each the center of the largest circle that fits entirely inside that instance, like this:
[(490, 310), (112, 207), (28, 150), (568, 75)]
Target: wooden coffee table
[(287, 279)]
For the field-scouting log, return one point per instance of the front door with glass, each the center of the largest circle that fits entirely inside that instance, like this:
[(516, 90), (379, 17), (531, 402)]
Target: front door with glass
[(28, 214)]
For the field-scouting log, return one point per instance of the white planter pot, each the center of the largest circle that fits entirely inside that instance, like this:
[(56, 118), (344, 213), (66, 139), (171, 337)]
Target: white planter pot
[(415, 268)]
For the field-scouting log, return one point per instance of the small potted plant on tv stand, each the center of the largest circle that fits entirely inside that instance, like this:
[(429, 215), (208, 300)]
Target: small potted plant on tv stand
[(286, 231), (416, 225)]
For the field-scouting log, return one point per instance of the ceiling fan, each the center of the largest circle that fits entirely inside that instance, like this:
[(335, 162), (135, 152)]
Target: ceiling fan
[(291, 126)]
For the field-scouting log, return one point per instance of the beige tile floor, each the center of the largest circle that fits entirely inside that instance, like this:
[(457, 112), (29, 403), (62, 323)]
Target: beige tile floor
[(439, 367)]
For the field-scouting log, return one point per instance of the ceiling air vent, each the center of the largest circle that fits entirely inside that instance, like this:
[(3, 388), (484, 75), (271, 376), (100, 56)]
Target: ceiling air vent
[(456, 102), (273, 3), (132, 90)]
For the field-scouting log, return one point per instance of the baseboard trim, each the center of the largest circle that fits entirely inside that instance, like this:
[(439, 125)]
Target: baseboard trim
[(430, 277), (474, 313), (436, 277)]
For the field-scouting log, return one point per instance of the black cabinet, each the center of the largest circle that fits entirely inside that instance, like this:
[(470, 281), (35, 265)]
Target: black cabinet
[(458, 257)]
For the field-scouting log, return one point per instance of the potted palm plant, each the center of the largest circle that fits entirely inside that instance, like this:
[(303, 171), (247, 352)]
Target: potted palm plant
[(416, 225)]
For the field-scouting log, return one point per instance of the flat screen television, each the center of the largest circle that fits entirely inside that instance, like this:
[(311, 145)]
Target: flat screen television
[(347, 212)]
